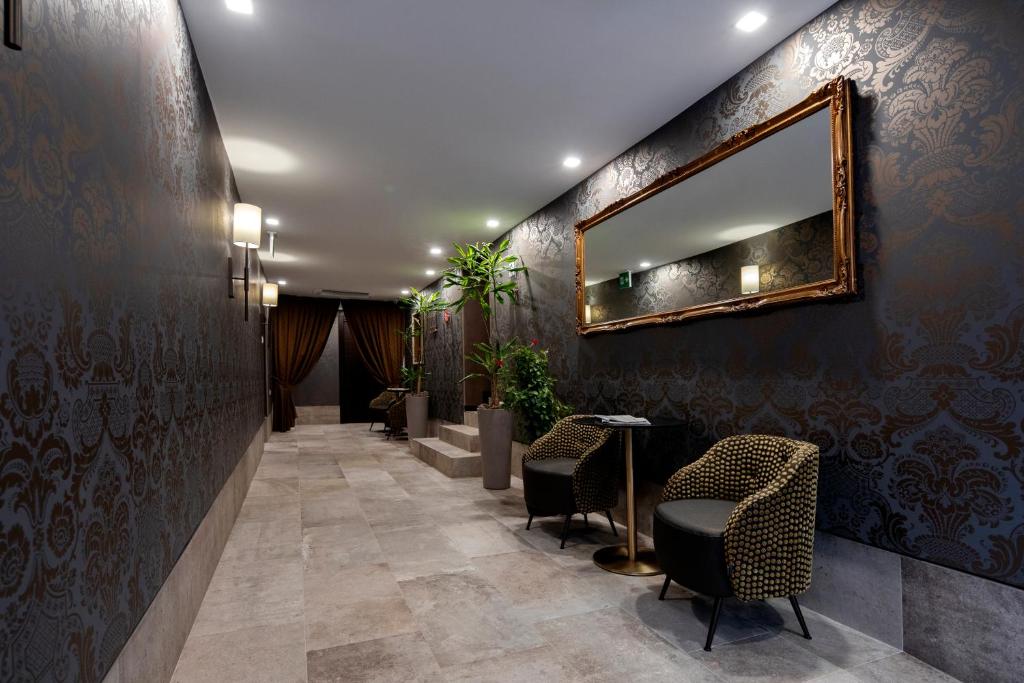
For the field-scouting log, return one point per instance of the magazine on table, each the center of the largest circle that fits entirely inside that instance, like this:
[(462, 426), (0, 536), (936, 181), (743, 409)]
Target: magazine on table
[(626, 420)]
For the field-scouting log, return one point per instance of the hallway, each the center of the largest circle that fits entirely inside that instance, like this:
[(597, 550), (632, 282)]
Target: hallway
[(352, 561)]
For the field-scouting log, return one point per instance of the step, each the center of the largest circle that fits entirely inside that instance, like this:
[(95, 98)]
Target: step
[(465, 437), (447, 459), (469, 417)]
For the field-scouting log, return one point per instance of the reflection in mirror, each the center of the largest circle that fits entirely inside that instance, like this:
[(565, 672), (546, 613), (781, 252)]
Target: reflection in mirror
[(759, 221)]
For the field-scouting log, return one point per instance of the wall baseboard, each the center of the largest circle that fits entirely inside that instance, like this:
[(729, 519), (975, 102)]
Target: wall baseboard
[(152, 651), (317, 415)]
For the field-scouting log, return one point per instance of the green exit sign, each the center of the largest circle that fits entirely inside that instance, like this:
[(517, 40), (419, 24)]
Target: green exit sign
[(625, 280)]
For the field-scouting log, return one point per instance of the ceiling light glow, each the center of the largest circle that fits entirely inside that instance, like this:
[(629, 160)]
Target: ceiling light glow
[(273, 221), (257, 156), (430, 271), (282, 282), (645, 264), (240, 6), (436, 251), (571, 161), (751, 21), (405, 292), (493, 222)]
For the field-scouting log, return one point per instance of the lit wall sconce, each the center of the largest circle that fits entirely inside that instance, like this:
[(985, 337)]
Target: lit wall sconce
[(270, 294), (586, 314), (273, 243), (246, 229), (750, 279)]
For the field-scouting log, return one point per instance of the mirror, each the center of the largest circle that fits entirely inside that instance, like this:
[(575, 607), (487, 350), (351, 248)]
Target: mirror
[(764, 218)]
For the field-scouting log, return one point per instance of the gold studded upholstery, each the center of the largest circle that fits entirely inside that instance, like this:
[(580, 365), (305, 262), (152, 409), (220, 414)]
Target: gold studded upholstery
[(383, 400), (769, 537), (595, 485), (395, 417)]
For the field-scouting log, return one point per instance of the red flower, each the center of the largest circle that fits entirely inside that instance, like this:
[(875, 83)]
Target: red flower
[(500, 363), (534, 342)]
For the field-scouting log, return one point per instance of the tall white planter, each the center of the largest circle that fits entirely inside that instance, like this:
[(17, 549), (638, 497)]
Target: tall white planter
[(416, 409), (496, 446)]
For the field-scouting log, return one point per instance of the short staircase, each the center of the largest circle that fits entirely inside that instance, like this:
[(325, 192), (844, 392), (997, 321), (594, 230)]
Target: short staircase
[(455, 452)]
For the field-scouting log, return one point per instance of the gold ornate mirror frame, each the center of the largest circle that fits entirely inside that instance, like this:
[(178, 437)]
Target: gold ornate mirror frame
[(836, 96)]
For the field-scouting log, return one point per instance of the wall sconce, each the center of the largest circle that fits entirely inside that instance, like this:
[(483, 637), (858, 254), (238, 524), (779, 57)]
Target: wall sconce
[(273, 243), (270, 294), (12, 24), (750, 279), (245, 232), (586, 314)]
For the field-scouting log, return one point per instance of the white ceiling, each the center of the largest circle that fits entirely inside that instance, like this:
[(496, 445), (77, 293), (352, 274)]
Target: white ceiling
[(395, 125), (780, 180)]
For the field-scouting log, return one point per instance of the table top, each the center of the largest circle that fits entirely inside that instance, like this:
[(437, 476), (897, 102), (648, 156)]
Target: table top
[(656, 423), (398, 390)]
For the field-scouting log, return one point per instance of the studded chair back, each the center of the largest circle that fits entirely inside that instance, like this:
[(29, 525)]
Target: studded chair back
[(769, 537), (595, 476)]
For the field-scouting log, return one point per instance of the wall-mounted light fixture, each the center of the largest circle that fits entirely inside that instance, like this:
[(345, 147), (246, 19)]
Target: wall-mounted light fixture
[(586, 314), (270, 294), (246, 227), (273, 243), (12, 24), (750, 279)]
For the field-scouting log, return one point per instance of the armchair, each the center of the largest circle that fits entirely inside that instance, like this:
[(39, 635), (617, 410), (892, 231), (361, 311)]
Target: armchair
[(571, 469), (740, 521), (380, 405)]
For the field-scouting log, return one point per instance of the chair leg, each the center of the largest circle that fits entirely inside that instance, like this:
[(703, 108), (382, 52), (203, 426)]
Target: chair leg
[(611, 521), (371, 426), (529, 522), (586, 522), (565, 531), (799, 616), (664, 588), (715, 611)]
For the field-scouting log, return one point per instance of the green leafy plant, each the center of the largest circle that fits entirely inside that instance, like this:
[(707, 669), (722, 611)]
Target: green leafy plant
[(530, 391), (486, 274), (420, 305)]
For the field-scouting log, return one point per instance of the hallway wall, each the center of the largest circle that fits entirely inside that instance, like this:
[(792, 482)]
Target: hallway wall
[(130, 386)]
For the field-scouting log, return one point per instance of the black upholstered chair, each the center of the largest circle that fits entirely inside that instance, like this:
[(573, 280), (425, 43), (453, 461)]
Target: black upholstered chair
[(740, 522), (380, 405), (395, 419), (571, 469)]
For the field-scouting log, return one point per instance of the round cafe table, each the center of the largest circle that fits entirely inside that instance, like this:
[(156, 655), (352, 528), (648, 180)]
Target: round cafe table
[(629, 559)]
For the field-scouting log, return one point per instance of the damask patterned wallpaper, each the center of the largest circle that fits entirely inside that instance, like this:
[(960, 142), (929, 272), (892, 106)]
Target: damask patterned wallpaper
[(129, 384), (796, 254), (443, 354), (915, 390)]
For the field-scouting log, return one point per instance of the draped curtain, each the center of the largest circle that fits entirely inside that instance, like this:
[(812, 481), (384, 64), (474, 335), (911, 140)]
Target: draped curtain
[(300, 328), (377, 331)]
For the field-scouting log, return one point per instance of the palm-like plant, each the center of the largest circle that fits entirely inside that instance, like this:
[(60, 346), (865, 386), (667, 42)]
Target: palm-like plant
[(420, 305), (487, 275)]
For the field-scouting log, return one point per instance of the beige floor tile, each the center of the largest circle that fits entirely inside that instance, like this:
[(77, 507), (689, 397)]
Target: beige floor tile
[(486, 537), (262, 654), (398, 659), (328, 547), (463, 618), (331, 624)]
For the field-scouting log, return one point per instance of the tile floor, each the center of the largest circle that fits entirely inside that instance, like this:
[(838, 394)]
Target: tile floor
[(353, 561)]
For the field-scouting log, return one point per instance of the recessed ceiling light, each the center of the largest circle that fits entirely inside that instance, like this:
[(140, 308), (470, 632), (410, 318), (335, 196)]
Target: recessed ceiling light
[(405, 292), (493, 222), (240, 6), (645, 264), (282, 282), (571, 162), (436, 251), (751, 21), (430, 271), (273, 221)]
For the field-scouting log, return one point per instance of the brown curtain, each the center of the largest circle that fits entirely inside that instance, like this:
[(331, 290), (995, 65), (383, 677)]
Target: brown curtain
[(377, 330), (300, 326)]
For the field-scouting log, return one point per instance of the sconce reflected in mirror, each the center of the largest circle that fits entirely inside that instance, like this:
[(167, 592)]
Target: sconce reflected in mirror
[(750, 279), (587, 316), (246, 229), (270, 294)]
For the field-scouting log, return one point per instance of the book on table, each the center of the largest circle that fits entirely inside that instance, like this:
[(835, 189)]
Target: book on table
[(622, 420)]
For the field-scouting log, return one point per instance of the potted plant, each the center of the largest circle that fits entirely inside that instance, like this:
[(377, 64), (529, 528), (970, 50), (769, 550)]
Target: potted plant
[(530, 392), (417, 403), (487, 275)]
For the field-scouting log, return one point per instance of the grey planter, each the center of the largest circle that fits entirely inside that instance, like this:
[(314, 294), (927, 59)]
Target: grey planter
[(416, 409), (496, 447)]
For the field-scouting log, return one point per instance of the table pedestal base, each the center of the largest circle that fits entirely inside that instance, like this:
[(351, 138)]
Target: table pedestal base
[(615, 558)]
